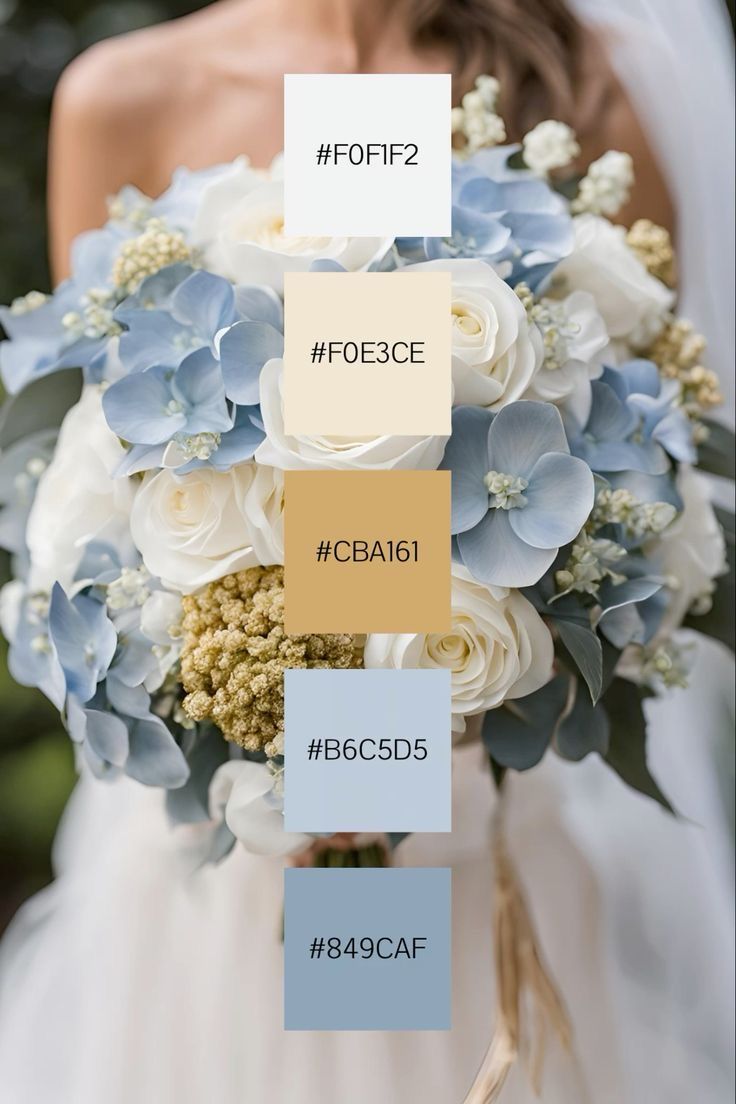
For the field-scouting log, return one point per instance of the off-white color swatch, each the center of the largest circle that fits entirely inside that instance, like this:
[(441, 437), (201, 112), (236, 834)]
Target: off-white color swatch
[(367, 199), (378, 316)]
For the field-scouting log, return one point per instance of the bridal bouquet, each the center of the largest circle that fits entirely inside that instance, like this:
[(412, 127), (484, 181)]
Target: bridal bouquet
[(141, 479)]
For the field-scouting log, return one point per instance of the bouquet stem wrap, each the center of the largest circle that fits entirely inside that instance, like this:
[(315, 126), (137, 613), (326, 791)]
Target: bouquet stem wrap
[(520, 971)]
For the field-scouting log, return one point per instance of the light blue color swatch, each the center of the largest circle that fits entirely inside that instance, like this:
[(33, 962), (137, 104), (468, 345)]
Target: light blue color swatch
[(367, 751), (367, 950)]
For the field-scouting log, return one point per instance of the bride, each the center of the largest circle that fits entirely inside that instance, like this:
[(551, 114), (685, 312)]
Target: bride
[(138, 979)]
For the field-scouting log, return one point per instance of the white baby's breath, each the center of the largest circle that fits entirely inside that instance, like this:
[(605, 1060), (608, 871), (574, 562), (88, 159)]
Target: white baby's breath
[(549, 145)]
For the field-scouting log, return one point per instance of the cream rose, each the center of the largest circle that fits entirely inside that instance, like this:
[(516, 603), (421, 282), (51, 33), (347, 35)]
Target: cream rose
[(354, 453), (691, 552), (194, 528), (61, 524), (240, 224), (495, 352), (633, 303), (498, 648)]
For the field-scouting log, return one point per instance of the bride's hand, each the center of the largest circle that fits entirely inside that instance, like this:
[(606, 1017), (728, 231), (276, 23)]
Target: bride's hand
[(341, 841)]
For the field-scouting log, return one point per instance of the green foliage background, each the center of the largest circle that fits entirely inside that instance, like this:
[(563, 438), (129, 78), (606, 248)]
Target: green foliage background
[(37, 40)]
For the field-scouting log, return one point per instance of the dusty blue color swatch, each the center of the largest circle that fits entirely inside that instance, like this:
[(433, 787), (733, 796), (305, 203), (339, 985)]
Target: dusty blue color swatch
[(367, 751), (367, 950)]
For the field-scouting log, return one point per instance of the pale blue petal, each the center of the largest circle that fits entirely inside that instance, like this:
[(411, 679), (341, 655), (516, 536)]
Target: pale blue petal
[(140, 458), (260, 304), (108, 736), (641, 377), (198, 383), (205, 302), (136, 408), (610, 419), (494, 554), (521, 433), (155, 758), (559, 498), (466, 456), (674, 432), (152, 339), (244, 350), (129, 701)]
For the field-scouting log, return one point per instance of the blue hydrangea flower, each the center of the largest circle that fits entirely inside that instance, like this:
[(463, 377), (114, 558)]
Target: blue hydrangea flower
[(84, 638), (193, 348), (71, 329), (507, 217), (38, 341), (149, 408), (32, 657), (170, 316), (517, 493), (633, 423)]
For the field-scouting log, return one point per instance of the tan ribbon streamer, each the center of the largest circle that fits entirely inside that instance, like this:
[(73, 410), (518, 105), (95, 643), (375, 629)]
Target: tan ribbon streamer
[(519, 972)]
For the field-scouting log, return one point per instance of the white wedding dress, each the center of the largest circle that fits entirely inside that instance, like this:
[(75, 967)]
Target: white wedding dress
[(137, 979)]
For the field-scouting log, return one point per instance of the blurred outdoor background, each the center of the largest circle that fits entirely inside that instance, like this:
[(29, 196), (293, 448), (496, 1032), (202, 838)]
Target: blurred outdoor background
[(37, 40)]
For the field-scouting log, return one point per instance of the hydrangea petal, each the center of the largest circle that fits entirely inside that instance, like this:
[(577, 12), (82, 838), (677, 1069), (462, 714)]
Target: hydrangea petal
[(521, 433), (559, 498), (494, 554), (155, 758), (137, 408), (466, 456), (244, 349)]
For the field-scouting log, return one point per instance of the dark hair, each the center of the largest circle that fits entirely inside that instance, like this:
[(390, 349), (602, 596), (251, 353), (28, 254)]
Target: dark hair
[(537, 49)]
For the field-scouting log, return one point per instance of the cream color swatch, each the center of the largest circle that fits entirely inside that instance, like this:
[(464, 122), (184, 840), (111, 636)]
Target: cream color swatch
[(367, 551), (350, 339)]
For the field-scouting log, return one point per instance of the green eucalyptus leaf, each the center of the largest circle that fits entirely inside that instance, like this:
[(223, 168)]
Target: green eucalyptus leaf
[(584, 729), (626, 754), (40, 405), (517, 734), (717, 454), (586, 650)]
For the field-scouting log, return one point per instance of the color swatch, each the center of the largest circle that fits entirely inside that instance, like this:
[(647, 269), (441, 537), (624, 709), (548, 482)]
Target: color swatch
[(367, 551), (367, 353)]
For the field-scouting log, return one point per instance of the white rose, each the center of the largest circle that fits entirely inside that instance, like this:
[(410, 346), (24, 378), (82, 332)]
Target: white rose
[(248, 798), (498, 648), (192, 529), (575, 340), (356, 453), (78, 500), (221, 194), (549, 145), (691, 552), (495, 352), (633, 303), (240, 222)]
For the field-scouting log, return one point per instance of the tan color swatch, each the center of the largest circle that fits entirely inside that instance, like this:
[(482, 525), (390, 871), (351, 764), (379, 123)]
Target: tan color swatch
[(367, 353), (367, 551)]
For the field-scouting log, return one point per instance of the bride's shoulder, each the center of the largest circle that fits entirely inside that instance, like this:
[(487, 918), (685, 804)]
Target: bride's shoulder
[(118, 78)]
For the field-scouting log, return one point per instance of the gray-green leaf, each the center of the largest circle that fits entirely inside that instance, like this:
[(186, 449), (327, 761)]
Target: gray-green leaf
[(518, 733)]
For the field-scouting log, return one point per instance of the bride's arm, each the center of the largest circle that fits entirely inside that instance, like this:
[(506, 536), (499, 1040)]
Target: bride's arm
[(96, 142)]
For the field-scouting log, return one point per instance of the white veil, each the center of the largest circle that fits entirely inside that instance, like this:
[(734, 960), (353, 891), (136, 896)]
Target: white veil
[(675, 59)]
